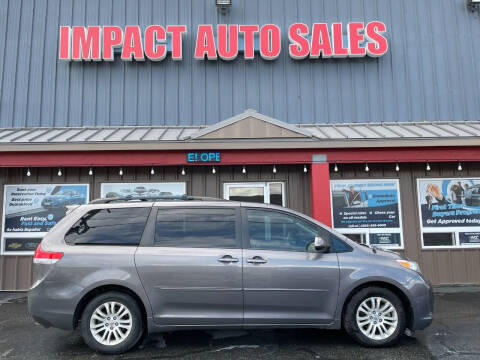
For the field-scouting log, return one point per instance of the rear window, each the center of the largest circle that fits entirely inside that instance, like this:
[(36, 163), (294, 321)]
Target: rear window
[(109, 227), (196, 228)]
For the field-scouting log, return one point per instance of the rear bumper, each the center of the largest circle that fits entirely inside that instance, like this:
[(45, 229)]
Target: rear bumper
[(52, 304)]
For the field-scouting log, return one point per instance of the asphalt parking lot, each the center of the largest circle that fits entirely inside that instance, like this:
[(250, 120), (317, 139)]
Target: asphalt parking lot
[(455, 334)]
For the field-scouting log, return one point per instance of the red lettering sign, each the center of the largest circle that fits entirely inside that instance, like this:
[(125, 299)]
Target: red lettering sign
[(96, 43)]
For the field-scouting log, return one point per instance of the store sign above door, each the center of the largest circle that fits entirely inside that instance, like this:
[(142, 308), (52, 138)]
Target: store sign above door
[(321, 40), (203, 157)]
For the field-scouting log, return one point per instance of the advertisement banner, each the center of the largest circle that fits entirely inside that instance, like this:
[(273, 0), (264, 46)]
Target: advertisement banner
[(365, 204), (449, 203), (30, 211), (109, 190)]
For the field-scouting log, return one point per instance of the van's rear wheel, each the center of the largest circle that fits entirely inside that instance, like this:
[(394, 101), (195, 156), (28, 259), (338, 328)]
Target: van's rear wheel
[(375, 317), (112, 323)]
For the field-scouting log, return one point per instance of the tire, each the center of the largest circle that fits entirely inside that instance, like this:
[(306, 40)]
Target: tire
[(124, 335), (392, 318)]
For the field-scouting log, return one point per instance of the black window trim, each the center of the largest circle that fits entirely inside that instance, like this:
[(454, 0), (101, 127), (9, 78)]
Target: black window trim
[(148, 240), (246, 238)]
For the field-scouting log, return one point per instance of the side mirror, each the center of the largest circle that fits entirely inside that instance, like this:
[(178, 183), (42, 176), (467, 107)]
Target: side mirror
[(321, 244)]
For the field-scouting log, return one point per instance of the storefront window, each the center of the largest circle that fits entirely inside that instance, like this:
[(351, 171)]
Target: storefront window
[(358, 238), (368, 211), (449, 211), (276, 193), (246, 193), (438, 239), (263, 193)]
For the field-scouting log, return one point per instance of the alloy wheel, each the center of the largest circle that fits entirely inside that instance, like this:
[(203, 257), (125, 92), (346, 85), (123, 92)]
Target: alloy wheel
[(111, 323), (377, 318)]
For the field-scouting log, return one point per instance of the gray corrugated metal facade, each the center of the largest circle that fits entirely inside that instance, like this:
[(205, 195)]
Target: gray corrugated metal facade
[(427, 75)]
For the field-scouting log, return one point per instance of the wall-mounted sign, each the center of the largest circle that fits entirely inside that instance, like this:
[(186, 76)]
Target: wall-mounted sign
[(368, 207), (203, 157), (109, 190), (449, 203), (323, 40), (30, 211)]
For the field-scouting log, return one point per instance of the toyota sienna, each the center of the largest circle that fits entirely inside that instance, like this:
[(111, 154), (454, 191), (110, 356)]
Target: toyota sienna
[(121, 268)]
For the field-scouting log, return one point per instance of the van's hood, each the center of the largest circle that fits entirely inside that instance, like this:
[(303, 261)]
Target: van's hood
[(389, 253), (384, 253)]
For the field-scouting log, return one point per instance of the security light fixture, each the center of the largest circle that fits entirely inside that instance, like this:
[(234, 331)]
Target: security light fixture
[(152, 171), (90, 172), (305, 170), (367, 169), (223, 5), (183, 171), (473, 5), (427, 167), (213, 170), (59, 173), (397, 167), (274, 169), (120, 172), (28, 172), (244, 170), (459, 167), (335, 167)]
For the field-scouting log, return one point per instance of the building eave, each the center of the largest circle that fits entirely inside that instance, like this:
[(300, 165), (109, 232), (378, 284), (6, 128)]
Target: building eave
[(236, 144)]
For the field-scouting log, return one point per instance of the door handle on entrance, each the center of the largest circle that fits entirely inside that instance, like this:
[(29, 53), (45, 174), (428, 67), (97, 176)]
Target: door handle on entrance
[(256, 260), (227, 259)]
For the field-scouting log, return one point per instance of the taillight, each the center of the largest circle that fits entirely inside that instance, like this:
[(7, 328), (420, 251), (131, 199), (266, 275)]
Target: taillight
[(46, 257)]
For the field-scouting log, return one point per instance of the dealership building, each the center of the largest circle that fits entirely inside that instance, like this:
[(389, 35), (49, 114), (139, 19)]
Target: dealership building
[(364, 115)]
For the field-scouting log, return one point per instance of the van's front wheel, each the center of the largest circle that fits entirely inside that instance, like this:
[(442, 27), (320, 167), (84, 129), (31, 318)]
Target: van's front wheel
[(375, 317), (112, 323)]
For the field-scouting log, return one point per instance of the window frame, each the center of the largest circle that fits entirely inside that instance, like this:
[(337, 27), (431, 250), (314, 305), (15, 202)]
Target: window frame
[(455, 230), (264, 184), (148, 240), (373, 230), (246, 237)]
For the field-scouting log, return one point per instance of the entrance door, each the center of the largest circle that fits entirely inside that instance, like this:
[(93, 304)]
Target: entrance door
[(257, 192), (192, 272), (285, 282)]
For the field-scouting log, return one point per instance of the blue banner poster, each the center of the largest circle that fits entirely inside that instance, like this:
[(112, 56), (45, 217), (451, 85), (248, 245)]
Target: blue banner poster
[(449, 203), (30, 211), (365, 204)]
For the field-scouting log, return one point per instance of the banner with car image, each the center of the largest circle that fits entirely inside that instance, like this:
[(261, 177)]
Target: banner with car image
[(450, 203), (111, 190), (30, 211)]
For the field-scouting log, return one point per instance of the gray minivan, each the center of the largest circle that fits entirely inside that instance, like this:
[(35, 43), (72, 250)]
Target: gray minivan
[(123, 267)]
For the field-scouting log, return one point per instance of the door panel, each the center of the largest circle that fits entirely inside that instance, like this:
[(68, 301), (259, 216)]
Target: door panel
[(191, 266), (290, 287), (285, 282), (192, 286)]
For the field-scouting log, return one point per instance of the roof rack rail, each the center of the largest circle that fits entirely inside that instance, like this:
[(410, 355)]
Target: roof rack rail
[(153, 199)]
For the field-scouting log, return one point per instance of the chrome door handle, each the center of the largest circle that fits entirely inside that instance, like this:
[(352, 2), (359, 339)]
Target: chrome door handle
[(227, 259), (256, 260)]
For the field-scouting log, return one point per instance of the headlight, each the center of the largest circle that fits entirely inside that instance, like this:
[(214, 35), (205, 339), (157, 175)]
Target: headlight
[(412, 265)]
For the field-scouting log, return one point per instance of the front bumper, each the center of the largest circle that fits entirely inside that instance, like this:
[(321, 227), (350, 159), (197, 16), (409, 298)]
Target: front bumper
[(422, 306)]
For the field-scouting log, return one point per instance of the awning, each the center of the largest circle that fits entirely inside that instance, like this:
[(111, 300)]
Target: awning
[(248, 130)]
